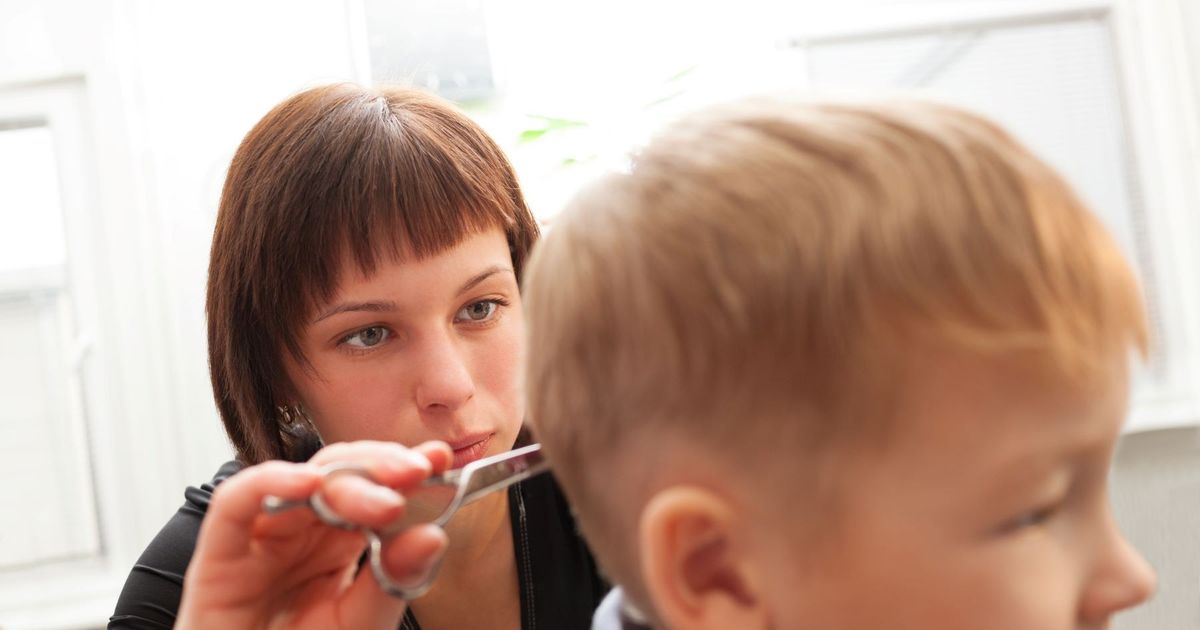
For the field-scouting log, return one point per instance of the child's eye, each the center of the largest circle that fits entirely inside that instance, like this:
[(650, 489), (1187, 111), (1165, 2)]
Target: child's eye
[(367, 337), (480, 311), (1032, 518)]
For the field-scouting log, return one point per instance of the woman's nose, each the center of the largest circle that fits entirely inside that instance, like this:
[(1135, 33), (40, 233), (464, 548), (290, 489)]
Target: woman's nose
[(445, 381)]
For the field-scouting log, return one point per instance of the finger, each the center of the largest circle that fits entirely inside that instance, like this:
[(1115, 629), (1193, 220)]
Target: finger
[(283, 524), (316, 573), (438, 453), (408, 557), (236, 503), (361, 501), (387, 463)]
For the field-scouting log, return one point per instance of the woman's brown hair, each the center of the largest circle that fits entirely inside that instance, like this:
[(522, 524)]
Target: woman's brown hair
[(335, 173)]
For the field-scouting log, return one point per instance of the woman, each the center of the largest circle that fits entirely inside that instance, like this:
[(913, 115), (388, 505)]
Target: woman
[(363, 293)]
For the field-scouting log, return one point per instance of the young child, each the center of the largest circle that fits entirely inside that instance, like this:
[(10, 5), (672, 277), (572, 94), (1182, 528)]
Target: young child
[(841, 367)]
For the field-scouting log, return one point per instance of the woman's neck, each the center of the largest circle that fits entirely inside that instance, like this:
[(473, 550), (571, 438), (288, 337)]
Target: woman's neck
[(475, 532), (480, 568)]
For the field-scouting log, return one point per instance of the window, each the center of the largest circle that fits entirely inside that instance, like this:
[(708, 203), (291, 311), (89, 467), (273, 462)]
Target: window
[(43, 436), (60, 528), (1051, 73)]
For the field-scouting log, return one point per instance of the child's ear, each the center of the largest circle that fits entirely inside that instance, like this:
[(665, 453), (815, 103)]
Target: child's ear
[(694, 561)]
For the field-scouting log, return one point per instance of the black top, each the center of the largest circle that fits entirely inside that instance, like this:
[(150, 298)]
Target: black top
[(559, 583)]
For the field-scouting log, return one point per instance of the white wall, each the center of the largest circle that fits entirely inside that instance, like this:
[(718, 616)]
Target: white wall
[(1156, 494)]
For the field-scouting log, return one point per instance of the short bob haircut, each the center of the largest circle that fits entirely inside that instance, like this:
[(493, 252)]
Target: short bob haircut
[(334, 173)]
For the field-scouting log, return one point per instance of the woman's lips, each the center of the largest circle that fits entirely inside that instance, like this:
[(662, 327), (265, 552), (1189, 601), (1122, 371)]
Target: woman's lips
[(467, 451)]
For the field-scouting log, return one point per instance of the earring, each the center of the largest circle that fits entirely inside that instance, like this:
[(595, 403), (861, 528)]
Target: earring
[(303, 419), (295, 421)]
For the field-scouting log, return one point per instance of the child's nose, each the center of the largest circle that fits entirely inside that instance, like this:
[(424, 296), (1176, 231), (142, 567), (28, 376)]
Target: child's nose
[(1123, 579)]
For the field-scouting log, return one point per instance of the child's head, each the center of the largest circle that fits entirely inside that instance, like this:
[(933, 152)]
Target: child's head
[(840, 366)]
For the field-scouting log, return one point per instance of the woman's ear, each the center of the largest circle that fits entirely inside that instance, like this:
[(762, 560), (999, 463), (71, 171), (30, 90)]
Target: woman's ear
[(696, 565)]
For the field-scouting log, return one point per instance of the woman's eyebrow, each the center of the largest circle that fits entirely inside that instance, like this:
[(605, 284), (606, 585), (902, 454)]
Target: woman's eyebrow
[(358, 307), (481, 276), (385, 306)]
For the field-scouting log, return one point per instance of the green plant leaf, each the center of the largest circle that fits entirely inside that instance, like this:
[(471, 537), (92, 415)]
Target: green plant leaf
[(554, 122), (681, 74), (549, 124), (529, 135), (664, 99)]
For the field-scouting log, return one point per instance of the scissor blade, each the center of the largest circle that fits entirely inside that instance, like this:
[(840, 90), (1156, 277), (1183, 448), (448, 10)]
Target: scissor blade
[(501, 471)]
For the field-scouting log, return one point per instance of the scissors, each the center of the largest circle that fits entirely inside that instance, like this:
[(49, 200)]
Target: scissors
[(435, 501)]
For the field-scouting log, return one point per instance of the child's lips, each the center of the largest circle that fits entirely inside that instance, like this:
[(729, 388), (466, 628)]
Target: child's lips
[(469, 450)]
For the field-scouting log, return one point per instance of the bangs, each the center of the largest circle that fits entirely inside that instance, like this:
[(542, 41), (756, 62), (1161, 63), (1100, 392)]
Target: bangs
[(413, 183), (367, 176)]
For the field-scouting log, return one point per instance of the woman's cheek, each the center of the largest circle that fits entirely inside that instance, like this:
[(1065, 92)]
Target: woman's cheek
[(501, 369)]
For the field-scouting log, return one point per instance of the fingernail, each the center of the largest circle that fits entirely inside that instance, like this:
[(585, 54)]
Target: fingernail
[(419, 460), (438, 444), (406, 461), (384, 498)]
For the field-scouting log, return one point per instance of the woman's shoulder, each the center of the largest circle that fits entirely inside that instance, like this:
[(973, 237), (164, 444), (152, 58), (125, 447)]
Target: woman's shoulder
[(196, 498), (150, 597)]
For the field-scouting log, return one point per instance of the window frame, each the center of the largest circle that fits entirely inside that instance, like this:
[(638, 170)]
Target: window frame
[(1151, 61)]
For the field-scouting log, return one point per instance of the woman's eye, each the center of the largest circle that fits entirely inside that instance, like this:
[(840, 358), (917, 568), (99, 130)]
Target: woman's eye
[(479, 311), (367, 337)]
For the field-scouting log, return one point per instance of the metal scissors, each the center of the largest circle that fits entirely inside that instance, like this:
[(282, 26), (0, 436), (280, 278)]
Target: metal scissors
[(435, 501)]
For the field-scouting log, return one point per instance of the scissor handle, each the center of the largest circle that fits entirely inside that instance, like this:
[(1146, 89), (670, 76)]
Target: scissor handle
[(457, 480), (389, 585)]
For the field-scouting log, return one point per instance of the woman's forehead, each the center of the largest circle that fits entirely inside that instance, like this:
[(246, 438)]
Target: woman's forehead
[(423, 277)]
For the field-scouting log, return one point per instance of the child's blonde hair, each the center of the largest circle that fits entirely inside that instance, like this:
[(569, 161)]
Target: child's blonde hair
[(764, 266)]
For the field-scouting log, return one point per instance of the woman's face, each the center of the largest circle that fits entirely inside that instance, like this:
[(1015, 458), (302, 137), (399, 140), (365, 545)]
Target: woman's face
[(420, 350)]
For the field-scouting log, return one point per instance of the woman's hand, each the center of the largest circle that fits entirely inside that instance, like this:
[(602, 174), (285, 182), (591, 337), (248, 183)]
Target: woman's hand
[(257, 570)]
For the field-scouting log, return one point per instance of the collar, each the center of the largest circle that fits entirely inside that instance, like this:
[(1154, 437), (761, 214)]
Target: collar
[(617, 613)]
